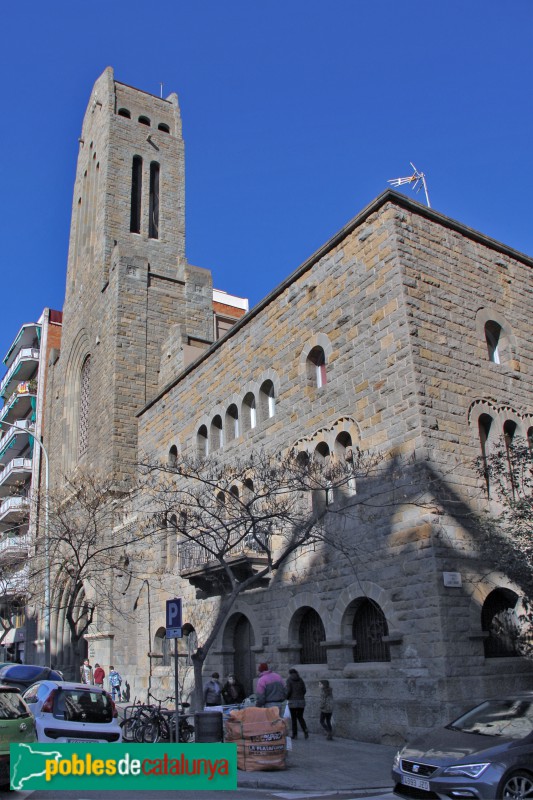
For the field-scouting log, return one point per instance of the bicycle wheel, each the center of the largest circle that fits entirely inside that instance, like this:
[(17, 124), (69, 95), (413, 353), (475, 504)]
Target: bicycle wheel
[(155, 730), (128, 729), (186, 732)]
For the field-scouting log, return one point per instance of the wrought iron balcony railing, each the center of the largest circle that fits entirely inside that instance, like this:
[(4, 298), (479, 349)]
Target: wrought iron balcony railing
[(16, 468), (198, 554), (22, 367), (12, 547)]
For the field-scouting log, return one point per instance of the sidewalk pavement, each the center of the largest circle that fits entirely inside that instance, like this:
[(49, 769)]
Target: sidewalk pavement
[(317, 765)]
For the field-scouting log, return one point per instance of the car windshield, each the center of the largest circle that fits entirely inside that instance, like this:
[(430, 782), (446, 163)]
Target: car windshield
[(82, 705), (511, 717), (12, 706)]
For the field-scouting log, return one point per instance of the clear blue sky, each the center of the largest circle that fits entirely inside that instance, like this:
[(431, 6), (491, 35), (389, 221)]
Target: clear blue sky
[(295, 114)]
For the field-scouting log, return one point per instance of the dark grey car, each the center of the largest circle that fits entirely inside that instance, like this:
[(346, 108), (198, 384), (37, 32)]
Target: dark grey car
[(487, 753)]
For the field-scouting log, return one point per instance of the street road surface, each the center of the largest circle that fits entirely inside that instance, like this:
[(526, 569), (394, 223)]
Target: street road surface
[(240, 794)]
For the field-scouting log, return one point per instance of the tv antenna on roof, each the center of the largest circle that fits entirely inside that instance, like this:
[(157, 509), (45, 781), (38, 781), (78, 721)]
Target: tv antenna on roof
[(417, 178)]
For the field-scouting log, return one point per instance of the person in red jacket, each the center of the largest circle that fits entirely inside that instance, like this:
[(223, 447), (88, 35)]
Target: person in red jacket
[(98, 676)]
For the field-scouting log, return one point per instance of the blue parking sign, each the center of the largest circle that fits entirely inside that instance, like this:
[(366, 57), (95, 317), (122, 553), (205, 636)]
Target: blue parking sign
[(174, 619)]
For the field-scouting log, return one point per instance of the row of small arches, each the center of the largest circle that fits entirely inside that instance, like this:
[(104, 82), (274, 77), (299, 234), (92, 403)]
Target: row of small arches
[(143, 120), (488, 433), (238, 422)]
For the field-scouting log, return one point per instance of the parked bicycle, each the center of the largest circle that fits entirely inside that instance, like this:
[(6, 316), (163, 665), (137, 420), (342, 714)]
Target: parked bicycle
[(135, 718), (154, 723)]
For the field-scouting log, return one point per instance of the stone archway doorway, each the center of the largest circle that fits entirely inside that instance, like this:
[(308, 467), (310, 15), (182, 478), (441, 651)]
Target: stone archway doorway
[(244, 658)]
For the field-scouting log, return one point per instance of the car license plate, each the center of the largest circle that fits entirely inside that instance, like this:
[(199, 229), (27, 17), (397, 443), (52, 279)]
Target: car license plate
[(416, 783), (80, 741)]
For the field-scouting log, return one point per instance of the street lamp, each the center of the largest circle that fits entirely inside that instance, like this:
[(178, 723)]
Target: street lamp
[(146, 583), (40, 445)]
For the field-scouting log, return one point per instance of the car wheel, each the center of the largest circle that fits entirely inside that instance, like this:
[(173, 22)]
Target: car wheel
[(517, 786)]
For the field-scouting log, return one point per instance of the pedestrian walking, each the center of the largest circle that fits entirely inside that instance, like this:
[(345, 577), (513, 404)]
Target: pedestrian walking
[(213, 691), (295, 689), (326, 707), (270, 689), (86, 672), (98, 676), (233, 690), (115, 682)]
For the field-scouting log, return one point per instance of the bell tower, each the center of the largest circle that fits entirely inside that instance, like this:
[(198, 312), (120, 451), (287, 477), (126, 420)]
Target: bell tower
[(130, 292)]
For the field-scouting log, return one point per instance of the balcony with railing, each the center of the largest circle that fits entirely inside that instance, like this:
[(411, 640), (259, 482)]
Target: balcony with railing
[(23, 368), (14, 579), (20, 403), (12, 442), (15, 473), (244, 555), (14, 511), (13, 548)]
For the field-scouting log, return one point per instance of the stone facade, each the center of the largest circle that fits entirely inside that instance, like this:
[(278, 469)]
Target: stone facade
[(397, 304)]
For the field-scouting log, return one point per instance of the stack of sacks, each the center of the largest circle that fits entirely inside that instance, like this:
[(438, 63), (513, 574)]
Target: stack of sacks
[(260, 734)]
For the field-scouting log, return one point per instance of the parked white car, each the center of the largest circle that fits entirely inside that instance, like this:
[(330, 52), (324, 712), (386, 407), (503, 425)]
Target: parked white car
[(72, 712)]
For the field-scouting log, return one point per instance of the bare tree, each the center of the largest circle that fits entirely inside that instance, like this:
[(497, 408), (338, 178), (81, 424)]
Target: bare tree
[(507, 531), (239, 523), (13, 588), (87, 547)]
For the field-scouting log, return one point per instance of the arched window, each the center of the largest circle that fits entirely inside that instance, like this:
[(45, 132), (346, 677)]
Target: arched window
[(509, 430), (173, 456), (162, 647), (530, 438), (191, 638), (163, 127), (249, 412), (498, 619), (484, 425), (492, 337), (153, 221), (323, 494), (136, 194), (232, 422), (217, 433), (344, 451), (248, 490), (267, 400), (316, 367), (202, 442), (145, 121), (368, 629), (123, 112), (311, 633), (83, 419)]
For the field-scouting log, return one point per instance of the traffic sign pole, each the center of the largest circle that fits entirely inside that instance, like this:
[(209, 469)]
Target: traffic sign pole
[(176, 688)]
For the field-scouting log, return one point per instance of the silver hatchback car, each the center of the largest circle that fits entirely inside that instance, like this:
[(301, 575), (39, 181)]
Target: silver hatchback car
[(485, 754), (72, 712)]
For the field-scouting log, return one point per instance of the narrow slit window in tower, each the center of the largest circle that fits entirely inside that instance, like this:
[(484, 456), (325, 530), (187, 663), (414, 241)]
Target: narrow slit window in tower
[(153, 230), (136, 192)]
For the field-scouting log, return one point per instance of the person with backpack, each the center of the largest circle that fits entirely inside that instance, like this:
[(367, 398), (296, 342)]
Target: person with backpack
[(115, 682)]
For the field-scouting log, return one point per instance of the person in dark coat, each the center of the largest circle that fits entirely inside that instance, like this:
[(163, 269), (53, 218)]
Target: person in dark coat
[(213, 691), (233, 690), (296, 689), (326, 707)]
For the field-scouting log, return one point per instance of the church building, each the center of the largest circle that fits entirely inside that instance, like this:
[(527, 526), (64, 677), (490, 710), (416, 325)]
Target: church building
[(407, 334)]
